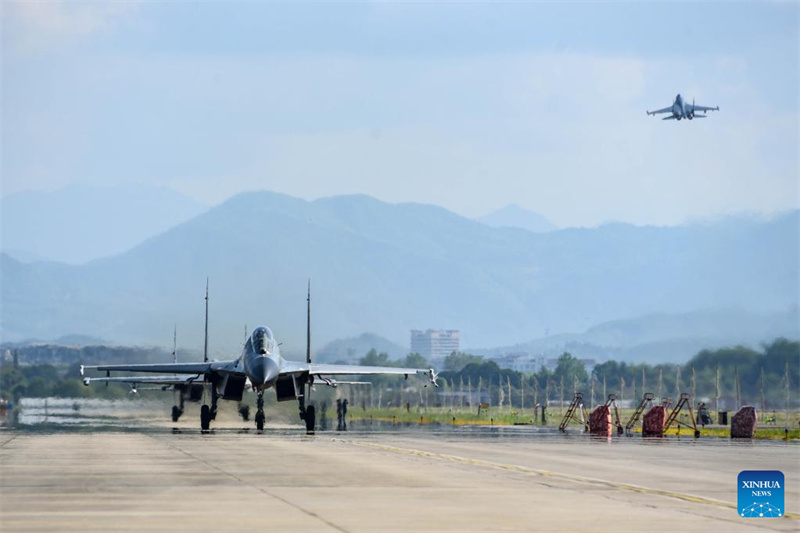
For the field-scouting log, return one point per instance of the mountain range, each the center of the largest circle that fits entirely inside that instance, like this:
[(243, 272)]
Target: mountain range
[(351, 349), (388, 268), (514, 216), (662, 337), (83, 222)]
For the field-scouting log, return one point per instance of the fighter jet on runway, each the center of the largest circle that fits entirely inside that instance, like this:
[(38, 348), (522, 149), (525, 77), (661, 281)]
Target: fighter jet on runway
[(260, 366), (681, 109)]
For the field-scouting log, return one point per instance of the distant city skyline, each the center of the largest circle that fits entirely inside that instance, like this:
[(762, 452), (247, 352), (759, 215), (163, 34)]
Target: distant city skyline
[(469, 106)]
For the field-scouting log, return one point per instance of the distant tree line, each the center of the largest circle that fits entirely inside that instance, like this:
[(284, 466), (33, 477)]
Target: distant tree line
[(56, 354), (463, 373), (43, 381), (708, 373)]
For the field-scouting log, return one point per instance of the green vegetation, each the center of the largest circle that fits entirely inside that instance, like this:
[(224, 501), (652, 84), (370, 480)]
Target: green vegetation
[(412, 360), (42, 381), (492, 416), (747, 363), (504, 417), (456, 361), (468, 381)]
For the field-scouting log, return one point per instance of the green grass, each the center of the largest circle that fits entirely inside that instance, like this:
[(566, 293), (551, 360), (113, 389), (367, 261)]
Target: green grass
[(441, 416), (775, 433), (502, 417)]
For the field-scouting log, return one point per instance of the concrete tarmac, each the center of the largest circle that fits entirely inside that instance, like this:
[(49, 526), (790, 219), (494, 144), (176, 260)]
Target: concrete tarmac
[(461, 480)]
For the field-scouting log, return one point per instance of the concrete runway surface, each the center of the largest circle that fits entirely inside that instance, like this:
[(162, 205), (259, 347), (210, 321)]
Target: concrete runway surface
[(459, 480)]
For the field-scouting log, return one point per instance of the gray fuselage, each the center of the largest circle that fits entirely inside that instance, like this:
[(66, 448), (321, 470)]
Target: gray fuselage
[(261, 358)]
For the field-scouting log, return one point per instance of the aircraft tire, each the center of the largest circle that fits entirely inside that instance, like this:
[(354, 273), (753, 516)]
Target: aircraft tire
[(310, 419), (205, 418), (176, 413), (260, 420)]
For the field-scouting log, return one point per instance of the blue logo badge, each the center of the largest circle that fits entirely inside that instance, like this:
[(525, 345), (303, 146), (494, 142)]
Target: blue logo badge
[(761, 494)]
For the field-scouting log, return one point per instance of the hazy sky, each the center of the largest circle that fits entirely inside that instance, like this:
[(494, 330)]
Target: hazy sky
[(468, 105)]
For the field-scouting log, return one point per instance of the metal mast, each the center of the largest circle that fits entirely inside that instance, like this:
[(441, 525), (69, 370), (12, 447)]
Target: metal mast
[(205, 344), (308, 324)]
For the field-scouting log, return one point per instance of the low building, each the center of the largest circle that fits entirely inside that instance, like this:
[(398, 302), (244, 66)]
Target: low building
[(519, 362)]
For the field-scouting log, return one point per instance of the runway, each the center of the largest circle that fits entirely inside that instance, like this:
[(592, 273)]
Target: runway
[(486, 479)]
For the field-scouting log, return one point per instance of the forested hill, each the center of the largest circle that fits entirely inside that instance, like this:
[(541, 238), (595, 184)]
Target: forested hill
[(388, 268)]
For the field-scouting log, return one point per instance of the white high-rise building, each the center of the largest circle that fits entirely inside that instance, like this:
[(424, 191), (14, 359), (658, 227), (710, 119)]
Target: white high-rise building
[(435, 343)]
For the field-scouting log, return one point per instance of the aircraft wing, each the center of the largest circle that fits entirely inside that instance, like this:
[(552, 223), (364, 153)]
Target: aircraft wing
[(319, 369), (657, 111), (149, 380), (330, 382), (704, 108), (175, 368)]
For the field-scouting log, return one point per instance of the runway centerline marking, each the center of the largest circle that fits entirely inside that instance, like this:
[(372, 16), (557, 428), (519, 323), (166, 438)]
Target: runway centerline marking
[(547, 473)]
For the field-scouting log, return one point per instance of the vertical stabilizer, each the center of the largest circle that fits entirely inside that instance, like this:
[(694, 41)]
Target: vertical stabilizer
[(308, 324), (205, 344), (175, 344)]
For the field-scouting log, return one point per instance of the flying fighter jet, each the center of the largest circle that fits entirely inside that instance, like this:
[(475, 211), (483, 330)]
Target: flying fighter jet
[(681, 109), (260, 367)]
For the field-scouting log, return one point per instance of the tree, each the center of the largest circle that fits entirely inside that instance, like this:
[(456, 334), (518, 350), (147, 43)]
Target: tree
[(70, 388), (374, 358), (38, 388), (456, 361), (414, 360), (569, 367), (12, 383)]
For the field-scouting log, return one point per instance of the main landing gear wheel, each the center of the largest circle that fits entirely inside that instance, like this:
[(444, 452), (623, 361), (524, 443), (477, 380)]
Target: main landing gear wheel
[(176, 413), (310, 418), (214, 398), (205, 418)]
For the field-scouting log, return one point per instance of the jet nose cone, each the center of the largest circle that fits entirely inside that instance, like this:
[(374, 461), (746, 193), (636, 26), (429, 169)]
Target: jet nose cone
[(263, 371)]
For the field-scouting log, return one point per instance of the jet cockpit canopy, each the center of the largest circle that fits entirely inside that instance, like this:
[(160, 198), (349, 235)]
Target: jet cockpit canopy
[(263, 340)]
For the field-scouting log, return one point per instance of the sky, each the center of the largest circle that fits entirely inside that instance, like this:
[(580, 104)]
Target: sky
[(468, 105)]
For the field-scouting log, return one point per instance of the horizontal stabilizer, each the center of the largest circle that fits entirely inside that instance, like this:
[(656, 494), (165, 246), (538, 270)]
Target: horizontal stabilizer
[(671, 117)]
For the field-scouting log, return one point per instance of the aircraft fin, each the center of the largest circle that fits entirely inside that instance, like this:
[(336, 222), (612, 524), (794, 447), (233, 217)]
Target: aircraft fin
[(671, 117)]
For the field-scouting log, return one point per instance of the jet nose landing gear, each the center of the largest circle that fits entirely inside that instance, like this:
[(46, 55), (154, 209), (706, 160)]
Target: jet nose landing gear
[(260, 411)]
